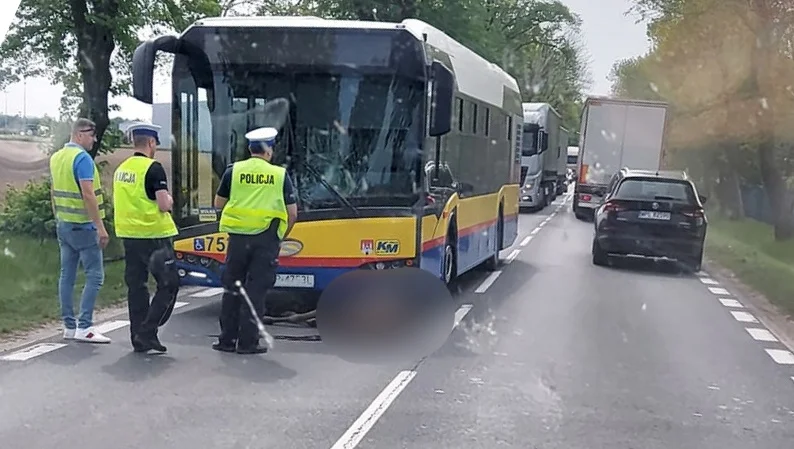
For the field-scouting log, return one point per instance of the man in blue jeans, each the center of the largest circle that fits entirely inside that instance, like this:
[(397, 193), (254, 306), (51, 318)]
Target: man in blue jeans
[(77, 203)]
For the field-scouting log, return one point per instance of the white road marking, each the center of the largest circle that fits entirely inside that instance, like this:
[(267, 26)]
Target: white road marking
[(719, 291), (353, 436), (486, 284), (744, 317), (760, 334), (208, 293), (701, 273), (361, 426), (535, 231), (542, 223), (32, 351), (781, 356), (526, 240), (728, 302), (179, 304), (110, 326), (709, 281), (513, 255), (461, 313)]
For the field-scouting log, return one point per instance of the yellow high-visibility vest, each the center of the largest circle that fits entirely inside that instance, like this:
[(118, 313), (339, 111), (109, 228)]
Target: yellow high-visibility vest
[(136, 216), (66, 193), (256, 198)]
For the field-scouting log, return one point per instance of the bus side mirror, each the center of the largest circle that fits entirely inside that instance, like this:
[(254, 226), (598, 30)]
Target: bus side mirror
[(143, 65), (702, 199), (443, 92)]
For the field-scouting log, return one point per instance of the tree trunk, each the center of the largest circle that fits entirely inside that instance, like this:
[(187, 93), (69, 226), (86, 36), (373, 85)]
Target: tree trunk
[(95, 45)]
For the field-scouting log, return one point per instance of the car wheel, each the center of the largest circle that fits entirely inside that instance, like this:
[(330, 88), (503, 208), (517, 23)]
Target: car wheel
[(694, 264), (600, 257)]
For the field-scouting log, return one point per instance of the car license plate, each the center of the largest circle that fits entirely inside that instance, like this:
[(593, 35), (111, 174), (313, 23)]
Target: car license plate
[(295, 280), (653, 215)]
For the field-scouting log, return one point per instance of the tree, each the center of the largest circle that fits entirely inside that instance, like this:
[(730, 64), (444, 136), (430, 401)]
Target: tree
[(724, 67), (86, 45)]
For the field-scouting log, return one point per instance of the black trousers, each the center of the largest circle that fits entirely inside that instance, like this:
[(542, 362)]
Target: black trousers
[(142, 257), (252, 260)]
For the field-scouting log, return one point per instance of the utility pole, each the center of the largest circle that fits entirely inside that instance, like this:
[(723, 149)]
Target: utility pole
[(25, 104)]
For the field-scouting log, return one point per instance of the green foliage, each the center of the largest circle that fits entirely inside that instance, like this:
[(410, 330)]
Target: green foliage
[(28, 211), (87, 45)]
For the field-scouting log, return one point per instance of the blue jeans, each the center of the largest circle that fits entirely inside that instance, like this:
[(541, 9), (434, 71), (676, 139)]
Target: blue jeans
[(79, 244)]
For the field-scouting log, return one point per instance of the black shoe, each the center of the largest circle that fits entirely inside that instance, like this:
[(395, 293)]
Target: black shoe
[(145, 344), (224, 346), (258, 349)]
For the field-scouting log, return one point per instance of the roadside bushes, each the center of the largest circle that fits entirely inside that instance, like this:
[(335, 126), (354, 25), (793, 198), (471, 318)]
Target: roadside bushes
[(28, 211)]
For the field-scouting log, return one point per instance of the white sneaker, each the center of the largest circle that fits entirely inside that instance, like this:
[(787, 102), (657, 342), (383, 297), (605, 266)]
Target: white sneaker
[(68, 334), (90, 336)]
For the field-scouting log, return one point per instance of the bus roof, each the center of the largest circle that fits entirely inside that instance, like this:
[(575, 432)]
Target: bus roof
[(474, 74)]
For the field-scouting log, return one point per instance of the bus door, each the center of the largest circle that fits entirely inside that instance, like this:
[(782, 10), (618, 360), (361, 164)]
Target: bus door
[(193, 158)]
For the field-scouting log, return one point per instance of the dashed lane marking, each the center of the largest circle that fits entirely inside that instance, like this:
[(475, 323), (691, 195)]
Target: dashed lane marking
[(32, 351), (744, 317), (364, 423), (461, 313), (513, 255), (761, 334), (709, 281), (719, 291), (534, 231), (728, 302), (486, 284), (110, 326), (781, 356), (526, 240), (207, 293)]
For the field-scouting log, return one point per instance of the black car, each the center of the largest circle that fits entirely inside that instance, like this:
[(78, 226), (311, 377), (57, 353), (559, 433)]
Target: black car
[(651, 214)]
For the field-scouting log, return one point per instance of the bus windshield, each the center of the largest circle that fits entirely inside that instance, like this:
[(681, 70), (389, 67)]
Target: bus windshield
[(362, 133), (355, 125)]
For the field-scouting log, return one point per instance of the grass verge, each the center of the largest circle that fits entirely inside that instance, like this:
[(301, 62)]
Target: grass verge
[(748, 248), (29, 270)]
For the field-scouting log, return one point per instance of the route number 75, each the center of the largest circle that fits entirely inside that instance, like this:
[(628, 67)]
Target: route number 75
[(215, 244)]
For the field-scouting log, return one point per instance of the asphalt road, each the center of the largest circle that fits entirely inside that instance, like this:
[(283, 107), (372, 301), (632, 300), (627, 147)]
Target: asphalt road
[(553, 353)]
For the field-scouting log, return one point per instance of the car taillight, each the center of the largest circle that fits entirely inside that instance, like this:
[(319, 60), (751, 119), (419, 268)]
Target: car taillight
[(697, 214), (613, 207)]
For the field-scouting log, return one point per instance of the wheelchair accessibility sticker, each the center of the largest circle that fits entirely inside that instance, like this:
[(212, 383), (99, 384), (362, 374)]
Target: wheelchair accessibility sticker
[(198, 244)]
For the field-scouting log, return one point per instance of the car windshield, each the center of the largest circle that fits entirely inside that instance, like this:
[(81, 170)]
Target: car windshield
[(645, 189)]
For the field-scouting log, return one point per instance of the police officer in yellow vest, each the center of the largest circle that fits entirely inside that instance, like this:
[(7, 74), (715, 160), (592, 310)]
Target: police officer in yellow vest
[(78, 206), (259, 210), (143, 220)]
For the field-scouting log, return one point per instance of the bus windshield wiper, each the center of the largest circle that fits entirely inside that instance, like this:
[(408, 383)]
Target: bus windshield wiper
[(318, 176)]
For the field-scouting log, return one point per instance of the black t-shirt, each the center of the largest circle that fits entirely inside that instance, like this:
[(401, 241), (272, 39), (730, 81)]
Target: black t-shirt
[(155, 180), (224, 190)]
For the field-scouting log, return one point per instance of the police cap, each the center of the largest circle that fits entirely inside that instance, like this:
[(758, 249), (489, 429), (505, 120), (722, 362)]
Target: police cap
[(144, 129), (265, 136)]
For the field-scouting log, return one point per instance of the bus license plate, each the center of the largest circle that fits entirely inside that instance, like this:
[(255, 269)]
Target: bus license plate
[(295, 280), (653, 215)]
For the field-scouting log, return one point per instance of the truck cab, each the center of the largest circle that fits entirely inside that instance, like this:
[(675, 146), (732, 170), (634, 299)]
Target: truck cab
[(540, 155)]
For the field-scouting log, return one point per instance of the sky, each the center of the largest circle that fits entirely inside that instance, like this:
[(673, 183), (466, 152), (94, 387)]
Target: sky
[(607, 32)]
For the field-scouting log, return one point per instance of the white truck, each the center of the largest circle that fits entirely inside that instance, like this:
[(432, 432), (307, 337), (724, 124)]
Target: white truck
[(616, 133), (540, 155)]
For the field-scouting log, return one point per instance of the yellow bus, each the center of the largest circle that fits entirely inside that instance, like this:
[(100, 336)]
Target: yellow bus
[(403, 144)]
